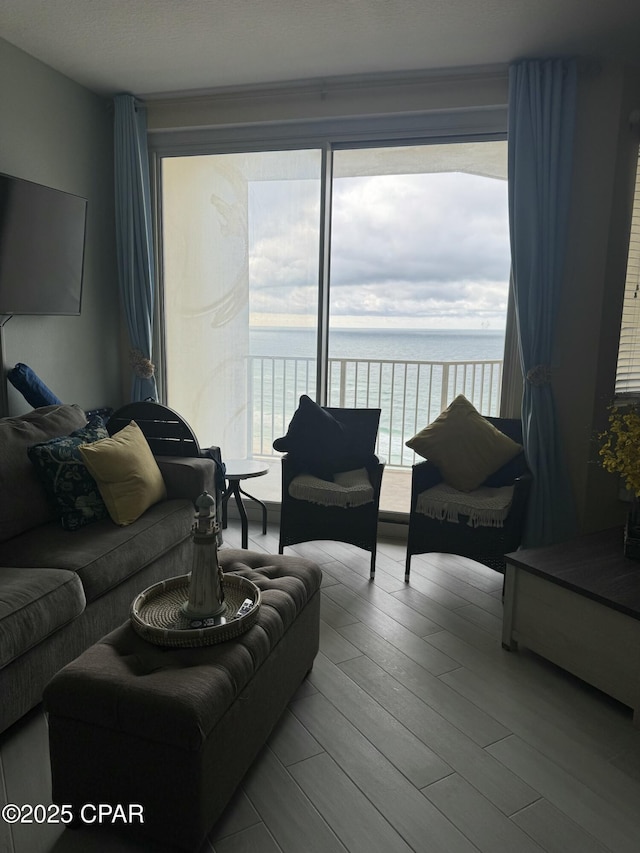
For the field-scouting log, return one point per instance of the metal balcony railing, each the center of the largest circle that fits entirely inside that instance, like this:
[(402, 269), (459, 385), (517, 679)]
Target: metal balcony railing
[(410, 394)]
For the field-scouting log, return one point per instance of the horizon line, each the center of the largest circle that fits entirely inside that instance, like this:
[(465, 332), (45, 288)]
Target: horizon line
[(388, 329)]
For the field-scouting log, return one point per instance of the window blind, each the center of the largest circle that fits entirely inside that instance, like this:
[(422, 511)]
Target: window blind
[(628, 370)]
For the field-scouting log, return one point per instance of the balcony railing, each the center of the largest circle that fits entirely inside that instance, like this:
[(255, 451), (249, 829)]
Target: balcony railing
[(410, 394)]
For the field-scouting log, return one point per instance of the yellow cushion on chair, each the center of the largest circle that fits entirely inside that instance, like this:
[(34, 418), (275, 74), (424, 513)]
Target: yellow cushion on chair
[(126, 472), (464, 445)]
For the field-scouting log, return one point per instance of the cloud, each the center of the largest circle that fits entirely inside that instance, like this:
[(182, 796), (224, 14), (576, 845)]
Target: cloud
[(419, 228), (431, 246)]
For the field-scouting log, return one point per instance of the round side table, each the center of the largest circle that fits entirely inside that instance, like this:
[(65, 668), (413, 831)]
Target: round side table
[(237, 471)]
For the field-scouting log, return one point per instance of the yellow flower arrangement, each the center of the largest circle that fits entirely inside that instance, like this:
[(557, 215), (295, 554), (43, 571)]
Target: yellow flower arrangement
[(620, 450)]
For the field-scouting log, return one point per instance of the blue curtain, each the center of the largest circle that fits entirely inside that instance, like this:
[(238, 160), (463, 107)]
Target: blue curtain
[(134, 239), (542, 106)]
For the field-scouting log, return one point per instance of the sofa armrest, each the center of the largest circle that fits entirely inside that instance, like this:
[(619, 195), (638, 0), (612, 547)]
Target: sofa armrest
[(187, 476)]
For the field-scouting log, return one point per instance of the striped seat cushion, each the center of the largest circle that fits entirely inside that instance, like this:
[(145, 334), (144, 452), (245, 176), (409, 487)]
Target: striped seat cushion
[(485, 507), (348, 489)]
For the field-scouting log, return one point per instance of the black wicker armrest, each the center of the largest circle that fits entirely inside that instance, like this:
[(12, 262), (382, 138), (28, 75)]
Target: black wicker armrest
[(521, 489), (424, 475), (375, 469), (290, 468)]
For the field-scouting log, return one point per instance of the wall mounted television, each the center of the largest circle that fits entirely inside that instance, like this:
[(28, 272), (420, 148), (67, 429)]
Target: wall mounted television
[(42, 238)]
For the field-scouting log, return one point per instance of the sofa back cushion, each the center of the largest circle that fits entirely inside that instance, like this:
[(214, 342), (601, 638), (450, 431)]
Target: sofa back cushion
[(24, 500)]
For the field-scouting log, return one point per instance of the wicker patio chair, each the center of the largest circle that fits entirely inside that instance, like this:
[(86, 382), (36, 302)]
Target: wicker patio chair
[(304, 520), (486, 544)]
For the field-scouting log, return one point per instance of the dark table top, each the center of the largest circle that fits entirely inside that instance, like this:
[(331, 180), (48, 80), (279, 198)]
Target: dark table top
[(244, 469), (593, 565)]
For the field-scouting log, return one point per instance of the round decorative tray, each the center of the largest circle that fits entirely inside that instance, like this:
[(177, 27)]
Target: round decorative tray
[(156, 614)]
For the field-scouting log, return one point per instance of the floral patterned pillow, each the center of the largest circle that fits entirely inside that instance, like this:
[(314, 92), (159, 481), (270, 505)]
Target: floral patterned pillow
[(66, 478)]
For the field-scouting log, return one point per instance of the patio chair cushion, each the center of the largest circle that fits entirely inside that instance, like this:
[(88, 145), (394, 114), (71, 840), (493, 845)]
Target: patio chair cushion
[(348, 489), (464, 446), (485, 507)]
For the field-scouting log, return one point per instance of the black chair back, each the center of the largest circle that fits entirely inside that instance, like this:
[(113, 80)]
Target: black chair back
[(166, 431), (364, 422), (511, 427)]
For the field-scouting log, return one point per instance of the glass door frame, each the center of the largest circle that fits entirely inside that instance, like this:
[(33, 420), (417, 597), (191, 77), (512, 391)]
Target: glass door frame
[(453, 127)]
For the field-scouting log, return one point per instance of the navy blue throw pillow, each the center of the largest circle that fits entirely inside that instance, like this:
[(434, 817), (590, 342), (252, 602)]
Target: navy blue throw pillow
[(31, 387), (315, 439), (66, 478)]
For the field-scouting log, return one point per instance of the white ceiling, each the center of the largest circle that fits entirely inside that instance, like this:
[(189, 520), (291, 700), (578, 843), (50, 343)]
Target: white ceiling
[(162, 46)]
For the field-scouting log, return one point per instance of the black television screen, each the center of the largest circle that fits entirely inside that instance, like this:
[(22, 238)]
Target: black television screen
[(41, 248)]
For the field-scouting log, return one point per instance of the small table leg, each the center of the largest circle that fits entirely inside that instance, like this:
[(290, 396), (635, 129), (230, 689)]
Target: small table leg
[(235, 490), (264, 509), (243, 515), (247, 469)]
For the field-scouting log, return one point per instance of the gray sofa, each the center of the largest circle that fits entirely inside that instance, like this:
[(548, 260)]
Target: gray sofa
[(61, 591)]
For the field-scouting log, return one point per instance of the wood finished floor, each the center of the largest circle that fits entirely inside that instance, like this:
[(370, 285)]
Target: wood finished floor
[(414, 731)]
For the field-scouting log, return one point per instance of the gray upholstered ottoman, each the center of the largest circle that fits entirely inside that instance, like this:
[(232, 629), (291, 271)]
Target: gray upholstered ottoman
[(175, 730)]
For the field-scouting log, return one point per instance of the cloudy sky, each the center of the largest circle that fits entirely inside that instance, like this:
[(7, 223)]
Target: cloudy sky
[(408, 251)]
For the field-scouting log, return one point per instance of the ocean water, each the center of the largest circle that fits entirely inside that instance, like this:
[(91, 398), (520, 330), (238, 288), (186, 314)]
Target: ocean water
[(396, 344), (398, 371)]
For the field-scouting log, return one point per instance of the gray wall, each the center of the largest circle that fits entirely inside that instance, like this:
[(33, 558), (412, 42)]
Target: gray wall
[(54, 132)]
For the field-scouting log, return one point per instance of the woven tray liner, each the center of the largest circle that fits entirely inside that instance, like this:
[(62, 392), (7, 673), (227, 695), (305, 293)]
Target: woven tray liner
[(156, 614)]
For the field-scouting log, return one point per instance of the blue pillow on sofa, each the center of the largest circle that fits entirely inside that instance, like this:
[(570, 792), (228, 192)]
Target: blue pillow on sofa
[(31, 386), (67, 479)]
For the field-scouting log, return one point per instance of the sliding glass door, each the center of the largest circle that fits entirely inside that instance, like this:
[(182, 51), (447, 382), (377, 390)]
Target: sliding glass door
[(360, 275), (419, 282), (240, 248)]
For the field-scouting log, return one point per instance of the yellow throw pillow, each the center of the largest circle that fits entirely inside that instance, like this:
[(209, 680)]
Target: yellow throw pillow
[(126, 472), (464, 446)]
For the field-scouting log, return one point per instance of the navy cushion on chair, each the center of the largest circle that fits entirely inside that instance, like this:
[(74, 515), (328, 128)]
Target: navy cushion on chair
[(315, 439), (31, 387)]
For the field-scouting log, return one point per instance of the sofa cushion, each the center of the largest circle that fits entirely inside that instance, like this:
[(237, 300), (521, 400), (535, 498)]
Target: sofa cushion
[(66, 478), (126, 472), (34, 604), (26, 503), (102, 554)]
